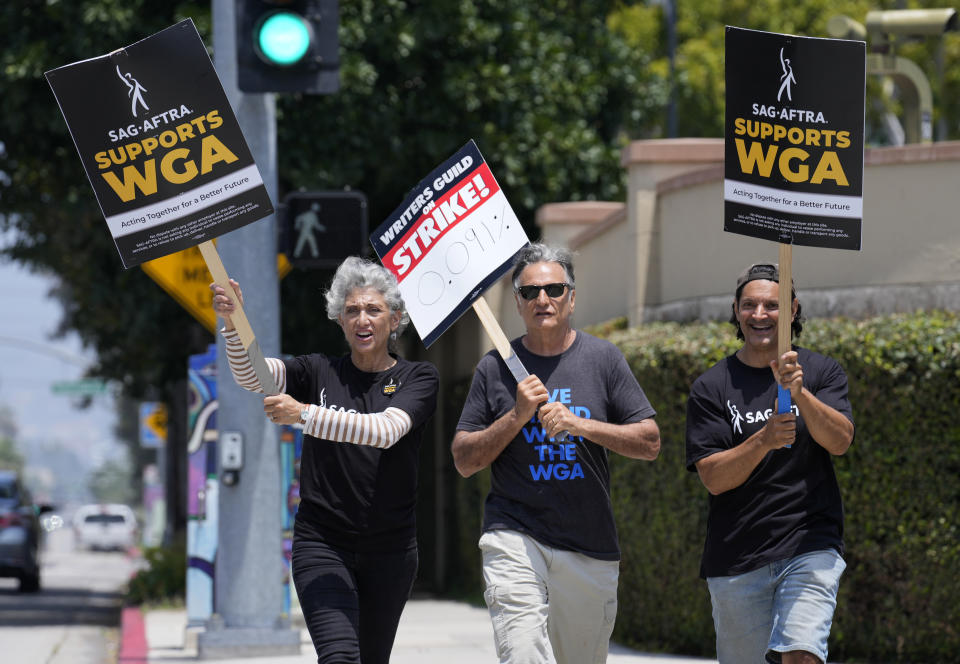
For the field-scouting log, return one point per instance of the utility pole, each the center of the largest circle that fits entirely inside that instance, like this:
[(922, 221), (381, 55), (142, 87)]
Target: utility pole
[(670, 7), (248, 599)]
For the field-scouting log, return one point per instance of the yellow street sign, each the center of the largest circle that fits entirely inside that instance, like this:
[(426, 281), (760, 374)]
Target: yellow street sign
[(153, 424), (185, 276)]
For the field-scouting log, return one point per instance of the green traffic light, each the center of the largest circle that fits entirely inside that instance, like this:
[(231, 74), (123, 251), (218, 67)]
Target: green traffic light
[(284, 38)]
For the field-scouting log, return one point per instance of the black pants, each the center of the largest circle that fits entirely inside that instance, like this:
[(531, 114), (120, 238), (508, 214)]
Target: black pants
[(352, 601)]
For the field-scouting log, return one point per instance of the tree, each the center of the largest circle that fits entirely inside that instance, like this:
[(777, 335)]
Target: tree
[(8, 423), (46, 199), (141, 336), (10, 457), (55, 473), (110, 483), (700, 38), (549, 93)]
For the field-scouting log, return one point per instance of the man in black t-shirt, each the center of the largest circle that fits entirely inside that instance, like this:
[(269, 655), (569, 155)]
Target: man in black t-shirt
[(550, 551), (772, 558)]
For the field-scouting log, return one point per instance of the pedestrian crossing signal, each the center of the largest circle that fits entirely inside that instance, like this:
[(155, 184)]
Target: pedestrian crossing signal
[(320, 229)]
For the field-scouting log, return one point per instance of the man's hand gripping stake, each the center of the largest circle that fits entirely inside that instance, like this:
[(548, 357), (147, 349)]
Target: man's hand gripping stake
[(502, 344)]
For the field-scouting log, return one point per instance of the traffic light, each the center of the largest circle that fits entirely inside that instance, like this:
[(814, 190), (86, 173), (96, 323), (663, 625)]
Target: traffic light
[(321, 228), (288, 46)]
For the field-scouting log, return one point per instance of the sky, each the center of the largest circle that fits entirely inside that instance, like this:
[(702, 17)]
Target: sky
[(31, 360)]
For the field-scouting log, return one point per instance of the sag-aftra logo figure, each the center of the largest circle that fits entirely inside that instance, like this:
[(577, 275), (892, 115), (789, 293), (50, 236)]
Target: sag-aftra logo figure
[(134, 91), (787, 78)]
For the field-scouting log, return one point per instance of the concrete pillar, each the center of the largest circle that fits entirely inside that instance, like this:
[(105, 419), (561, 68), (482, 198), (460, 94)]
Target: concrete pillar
[(248, 600), (649, 165)]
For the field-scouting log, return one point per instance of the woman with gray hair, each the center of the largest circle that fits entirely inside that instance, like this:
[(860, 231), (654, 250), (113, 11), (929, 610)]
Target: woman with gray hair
[(363, 417)]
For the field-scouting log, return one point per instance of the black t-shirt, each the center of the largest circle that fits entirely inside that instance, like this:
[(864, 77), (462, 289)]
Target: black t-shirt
[(357, 496), (556, 492), (790, 504)]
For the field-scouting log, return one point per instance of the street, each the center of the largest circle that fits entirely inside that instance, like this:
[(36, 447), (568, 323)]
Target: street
[(75, 616)]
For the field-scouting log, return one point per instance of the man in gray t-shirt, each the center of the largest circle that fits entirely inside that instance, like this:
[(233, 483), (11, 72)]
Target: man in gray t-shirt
[(550, 551)]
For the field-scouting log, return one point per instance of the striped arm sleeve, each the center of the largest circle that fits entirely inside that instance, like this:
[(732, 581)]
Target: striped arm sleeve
[(242, 369), (380, 430)]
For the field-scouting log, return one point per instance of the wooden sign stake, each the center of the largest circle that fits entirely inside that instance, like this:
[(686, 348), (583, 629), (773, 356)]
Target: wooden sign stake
[(492, 327), (494, 331), (239, 318), (785, 304)]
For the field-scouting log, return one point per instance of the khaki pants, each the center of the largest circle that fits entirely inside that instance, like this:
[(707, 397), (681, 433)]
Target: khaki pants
[(547, 605)]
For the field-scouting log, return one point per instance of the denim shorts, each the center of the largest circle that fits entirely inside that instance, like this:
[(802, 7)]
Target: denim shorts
[(784, 606)]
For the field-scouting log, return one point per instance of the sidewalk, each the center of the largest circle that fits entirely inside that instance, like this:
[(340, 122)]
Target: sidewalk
[(431, 632)]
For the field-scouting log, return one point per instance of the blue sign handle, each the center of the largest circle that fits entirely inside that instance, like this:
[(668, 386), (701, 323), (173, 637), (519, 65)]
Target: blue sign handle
[(783, 403), (783, 400)]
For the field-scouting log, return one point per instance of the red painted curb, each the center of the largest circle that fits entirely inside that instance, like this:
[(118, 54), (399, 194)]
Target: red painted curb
[(133, 637)]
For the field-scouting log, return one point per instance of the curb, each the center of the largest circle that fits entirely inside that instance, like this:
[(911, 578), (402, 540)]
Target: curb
[(133, 637)]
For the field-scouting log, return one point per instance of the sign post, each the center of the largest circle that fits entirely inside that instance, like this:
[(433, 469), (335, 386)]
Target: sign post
[(794, 148), (153, 435)]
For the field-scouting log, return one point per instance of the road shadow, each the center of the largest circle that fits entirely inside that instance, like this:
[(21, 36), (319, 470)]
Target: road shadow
[(59, 606)]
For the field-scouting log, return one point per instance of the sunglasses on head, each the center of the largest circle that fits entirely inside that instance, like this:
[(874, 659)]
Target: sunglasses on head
[(762, 268), (531, 292)]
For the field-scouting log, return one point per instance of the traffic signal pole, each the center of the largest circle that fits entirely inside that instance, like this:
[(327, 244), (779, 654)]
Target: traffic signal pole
[(248, 615)]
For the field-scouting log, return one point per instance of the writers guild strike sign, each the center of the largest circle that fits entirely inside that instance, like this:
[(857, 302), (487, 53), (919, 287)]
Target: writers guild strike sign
[(449, 241), (160, 144), (794, 138)]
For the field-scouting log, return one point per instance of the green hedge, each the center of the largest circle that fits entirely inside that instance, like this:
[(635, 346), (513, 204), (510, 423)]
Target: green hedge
[(900, 597), (163, 579), (900, 483)]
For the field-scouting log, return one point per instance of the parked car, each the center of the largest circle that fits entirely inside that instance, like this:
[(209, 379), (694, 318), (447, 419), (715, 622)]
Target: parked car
[(104, 527), (19, 532)]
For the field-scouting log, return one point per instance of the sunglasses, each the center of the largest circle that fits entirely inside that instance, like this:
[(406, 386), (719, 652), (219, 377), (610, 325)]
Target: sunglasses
[(762, 268), (532, 292)]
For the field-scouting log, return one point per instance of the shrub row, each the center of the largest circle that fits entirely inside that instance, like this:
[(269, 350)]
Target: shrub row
[(900, 483)]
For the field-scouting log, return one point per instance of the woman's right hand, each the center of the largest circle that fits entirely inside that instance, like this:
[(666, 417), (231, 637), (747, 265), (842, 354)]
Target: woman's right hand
[(224, 305)]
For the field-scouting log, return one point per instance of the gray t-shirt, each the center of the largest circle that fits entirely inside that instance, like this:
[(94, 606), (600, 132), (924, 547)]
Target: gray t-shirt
[(557, 492)]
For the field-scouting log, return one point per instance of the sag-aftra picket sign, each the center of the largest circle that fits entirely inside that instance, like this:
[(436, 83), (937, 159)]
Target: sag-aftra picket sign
[(160, 144), (794, 138)]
